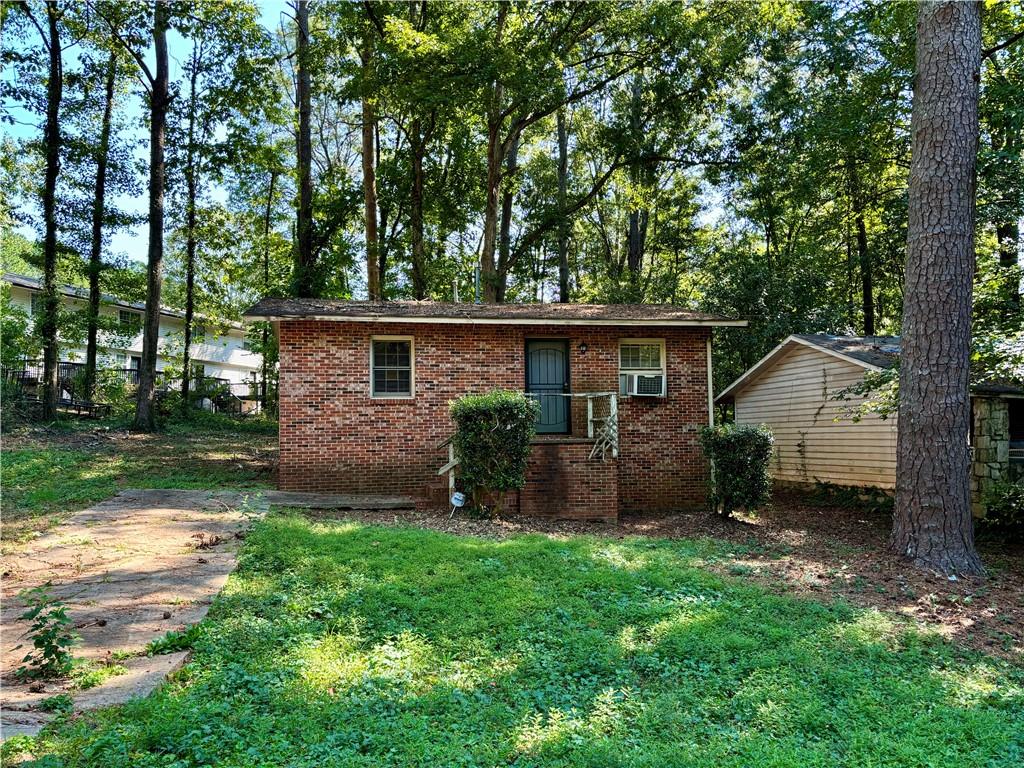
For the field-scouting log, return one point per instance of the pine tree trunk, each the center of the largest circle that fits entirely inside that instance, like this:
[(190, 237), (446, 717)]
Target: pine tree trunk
[(932, 523), (51, 301), (96, 246), (867, 288), (563, 224), (145, 406), (305, 259)]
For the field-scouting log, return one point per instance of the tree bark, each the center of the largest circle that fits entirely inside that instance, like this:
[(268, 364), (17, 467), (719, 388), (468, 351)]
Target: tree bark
[(265, 336), (932, 524), (191, 191), (51, 302), (369, 124), (505, 233), (145, 407), (563, 224), (96, 245), (867, 289), (492, 189), (305, 257), (417, 147)]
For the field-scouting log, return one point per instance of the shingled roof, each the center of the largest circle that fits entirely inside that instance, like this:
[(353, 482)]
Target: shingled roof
[(871, 352), (877, 351), (493, 314)]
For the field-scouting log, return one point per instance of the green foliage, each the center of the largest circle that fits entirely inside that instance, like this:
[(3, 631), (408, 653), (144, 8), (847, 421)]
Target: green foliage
[(208, 451), (878, 392), (739, 457), (19, 343), (492, 439), (86, 676), (174, 641), (62, 702), (51, 633), (348, 645), (1004, 509)]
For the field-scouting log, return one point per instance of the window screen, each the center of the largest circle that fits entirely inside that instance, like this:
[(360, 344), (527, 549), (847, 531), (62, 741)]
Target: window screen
[(391, 363)]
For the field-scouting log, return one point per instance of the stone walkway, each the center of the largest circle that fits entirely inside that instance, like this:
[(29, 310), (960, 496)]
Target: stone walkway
[(129, 570)]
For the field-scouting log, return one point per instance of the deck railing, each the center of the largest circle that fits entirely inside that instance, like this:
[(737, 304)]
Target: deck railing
[(602, 417)]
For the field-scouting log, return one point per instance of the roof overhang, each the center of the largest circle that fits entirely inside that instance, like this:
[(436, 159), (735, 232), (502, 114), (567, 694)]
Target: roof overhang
[(500, 320), (765, 362)]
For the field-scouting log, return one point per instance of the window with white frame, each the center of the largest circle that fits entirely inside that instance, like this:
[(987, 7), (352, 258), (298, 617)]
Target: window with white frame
[(642, 367), (391, 366)]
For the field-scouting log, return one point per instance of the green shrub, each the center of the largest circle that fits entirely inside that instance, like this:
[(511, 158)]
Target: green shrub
[(51, 634), (492, 440), (1004, 509), (739, 456)]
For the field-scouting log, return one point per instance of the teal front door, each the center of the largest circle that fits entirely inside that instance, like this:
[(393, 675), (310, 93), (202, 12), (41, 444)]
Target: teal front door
[(547, 379)]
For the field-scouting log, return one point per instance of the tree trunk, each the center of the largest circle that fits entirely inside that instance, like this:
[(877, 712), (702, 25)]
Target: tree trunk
[(492, 189), (419, 256), (638, 218), (145, 407), (51, 302), (505, 234), (932, 523), (192, 184), (867, 290), (373, 286), (305, 258), (563, 223), (96, 246), (265, 336)]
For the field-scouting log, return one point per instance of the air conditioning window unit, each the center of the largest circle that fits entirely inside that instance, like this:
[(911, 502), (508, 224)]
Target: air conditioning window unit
[(642, 384)]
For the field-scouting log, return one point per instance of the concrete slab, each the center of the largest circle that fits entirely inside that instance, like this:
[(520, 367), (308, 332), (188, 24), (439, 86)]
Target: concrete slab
[(129, 570)]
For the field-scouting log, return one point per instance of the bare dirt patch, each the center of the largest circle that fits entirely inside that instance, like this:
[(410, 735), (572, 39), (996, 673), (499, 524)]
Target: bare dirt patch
[(801, 548)]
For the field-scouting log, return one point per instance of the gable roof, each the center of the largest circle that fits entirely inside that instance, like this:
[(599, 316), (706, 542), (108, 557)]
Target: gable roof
[(490, 314), (874, 353), (74, 292)]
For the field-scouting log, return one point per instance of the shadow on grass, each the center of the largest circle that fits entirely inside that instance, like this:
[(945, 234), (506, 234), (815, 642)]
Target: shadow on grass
[(349, 645)]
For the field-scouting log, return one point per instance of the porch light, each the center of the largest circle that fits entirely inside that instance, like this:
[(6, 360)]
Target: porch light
[(582, 347)]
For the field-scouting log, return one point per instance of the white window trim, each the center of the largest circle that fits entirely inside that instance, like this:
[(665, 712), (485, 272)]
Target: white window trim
[(412, 368), (663, 371)]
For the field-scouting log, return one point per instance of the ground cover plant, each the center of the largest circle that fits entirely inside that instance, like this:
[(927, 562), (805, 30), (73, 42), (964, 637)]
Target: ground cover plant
[(48, 472), (343, 644)]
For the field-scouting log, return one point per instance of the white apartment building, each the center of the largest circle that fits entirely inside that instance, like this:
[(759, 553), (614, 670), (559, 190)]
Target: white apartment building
[(222, 352)]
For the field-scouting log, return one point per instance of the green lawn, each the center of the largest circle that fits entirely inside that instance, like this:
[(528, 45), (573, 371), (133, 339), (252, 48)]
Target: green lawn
[(44, 478), (349, 645)]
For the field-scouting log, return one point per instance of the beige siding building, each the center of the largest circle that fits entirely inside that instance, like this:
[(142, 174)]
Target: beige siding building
[(815, 438), (794, 391)]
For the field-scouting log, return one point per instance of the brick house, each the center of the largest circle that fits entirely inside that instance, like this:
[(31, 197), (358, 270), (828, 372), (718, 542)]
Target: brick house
[(365, 389)]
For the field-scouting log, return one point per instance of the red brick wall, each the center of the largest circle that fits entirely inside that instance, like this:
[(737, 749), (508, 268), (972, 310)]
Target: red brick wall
[(335, 437), (563, 482)]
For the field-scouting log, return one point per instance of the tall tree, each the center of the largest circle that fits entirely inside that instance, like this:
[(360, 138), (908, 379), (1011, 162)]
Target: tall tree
[(99, 213), (51, 301), (305, 283), (368, 147), (932, 523)]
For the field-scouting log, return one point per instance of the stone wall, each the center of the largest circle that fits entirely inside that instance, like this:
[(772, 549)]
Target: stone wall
[(991, 461)]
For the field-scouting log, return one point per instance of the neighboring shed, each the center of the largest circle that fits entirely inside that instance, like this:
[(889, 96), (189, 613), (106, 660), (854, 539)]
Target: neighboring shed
[(793, 390)]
